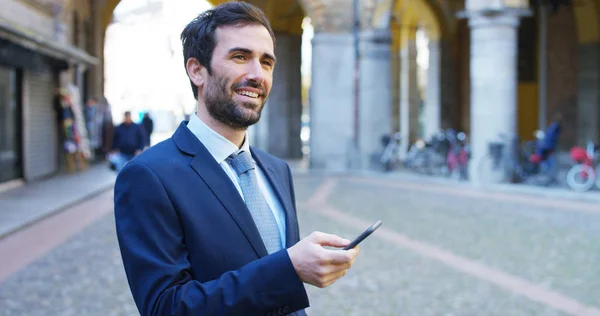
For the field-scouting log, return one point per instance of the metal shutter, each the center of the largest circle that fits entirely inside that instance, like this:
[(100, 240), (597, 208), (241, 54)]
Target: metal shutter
[(40, 126)]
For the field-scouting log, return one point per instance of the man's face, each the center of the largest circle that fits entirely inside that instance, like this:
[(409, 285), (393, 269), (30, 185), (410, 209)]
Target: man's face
[(242, 72), (128, 118)]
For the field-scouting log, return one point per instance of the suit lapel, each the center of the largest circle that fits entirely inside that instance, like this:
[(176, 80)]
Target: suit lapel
[(220, 185), (285, 199)]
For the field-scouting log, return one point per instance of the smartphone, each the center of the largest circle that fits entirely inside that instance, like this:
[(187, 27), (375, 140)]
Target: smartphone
[(364, 235)]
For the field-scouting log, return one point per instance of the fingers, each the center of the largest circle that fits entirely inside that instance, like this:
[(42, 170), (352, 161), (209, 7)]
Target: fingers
[(334, 277), (331, 278), (327, 274), (321, 266), (325, 239), (341, 257)]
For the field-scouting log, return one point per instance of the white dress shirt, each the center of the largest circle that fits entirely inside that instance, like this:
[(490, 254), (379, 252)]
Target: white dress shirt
[(221, 148)]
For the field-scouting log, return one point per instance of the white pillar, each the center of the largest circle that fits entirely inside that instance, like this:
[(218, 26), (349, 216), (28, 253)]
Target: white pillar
[(332, 98), (433, 106), (493, 82), (375, 92), (331, 102), (278, 131)]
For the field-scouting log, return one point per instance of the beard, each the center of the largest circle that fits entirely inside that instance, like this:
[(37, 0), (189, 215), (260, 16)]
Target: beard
[(218, 97)]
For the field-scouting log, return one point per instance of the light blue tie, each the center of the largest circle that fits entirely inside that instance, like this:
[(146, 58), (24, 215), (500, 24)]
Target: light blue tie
[(259, 208)]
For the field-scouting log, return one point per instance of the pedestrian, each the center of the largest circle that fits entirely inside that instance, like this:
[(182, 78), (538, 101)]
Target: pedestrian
[(108, 128), (129, 140), (148, 125), (207, 224), (546, 148)]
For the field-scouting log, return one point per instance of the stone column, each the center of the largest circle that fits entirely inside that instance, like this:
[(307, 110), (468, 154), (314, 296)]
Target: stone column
[(278, 131), (432, 115), (331, 101), (409, 94), (375, 92), (493, 81), (588, 112)]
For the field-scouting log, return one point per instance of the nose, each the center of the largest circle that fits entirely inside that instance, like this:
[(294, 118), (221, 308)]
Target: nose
[(255, 72)]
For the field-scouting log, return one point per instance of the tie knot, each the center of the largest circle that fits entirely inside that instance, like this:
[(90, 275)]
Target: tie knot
[(241, 162)]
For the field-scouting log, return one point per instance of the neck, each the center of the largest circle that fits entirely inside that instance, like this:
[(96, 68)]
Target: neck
[(233, 135)]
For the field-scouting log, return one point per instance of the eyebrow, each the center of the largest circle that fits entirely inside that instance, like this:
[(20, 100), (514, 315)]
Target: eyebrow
[(249, 52)]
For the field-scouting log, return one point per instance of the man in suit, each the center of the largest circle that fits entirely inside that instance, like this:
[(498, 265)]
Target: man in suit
[(207, 224)]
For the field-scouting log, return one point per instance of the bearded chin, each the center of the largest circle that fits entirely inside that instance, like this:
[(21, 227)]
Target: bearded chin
[(240, 119), (228, 112)]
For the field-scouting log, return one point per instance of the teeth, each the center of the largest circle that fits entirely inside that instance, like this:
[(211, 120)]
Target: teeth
[(249, 94)]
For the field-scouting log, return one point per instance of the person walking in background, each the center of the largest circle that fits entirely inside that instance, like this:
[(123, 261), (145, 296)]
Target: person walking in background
[(108, 128), (128, 141), (148, 125), (206, 223), (546, 148)]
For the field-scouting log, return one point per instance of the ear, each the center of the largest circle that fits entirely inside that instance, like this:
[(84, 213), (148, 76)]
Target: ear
[(196, 72)]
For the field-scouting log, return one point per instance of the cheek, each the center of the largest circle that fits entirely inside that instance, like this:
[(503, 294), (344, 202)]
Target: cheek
[(268, 83)]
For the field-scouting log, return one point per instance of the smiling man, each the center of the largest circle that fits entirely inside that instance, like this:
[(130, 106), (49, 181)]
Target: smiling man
[(206, 224)]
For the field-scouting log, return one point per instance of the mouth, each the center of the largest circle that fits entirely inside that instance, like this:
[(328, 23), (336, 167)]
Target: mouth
[(248, 94)]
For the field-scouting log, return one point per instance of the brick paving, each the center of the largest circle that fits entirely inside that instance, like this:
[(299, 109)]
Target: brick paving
[(556, 249)]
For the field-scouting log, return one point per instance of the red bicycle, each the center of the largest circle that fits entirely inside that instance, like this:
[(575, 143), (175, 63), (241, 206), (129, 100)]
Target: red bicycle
[(582, 176)]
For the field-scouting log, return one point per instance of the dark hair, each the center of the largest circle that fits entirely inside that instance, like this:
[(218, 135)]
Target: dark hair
[(198, 37)]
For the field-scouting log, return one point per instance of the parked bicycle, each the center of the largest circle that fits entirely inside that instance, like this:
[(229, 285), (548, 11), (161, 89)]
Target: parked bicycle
[(457, 157), (389, 158), (429, 157), (508, 161), (582, 176)]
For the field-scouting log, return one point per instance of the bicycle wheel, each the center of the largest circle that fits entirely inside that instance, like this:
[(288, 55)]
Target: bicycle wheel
[(490, 171), (581, 178)]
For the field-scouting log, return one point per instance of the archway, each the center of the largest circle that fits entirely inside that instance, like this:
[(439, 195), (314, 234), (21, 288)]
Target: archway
[(279, 130), (412, 104)]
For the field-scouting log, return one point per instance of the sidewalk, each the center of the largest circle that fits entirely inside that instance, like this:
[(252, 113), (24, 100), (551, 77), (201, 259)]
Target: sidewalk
[(544, 192), (299, 168), (31, 202), (25, 205)]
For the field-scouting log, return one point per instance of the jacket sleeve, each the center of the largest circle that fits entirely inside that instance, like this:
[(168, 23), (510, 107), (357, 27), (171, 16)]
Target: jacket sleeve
[(154, 255), (292, 194)]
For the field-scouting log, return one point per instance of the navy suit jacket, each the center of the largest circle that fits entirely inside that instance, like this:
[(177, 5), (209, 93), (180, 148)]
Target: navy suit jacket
[(188, 242)]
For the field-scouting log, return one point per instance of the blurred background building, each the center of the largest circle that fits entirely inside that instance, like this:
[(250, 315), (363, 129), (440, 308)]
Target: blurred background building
[(486, 67)]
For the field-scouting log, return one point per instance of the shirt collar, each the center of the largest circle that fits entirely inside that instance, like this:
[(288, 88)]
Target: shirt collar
[(217, 145)]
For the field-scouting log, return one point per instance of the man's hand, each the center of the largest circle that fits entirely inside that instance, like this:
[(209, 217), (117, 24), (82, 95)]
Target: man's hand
[(319, 266)]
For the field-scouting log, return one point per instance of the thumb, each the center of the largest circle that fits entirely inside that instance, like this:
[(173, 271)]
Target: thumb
[(325, 239)]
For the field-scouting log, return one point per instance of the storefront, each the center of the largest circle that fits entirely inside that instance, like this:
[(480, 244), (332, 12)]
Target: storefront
[(31, 147), (11, 162)]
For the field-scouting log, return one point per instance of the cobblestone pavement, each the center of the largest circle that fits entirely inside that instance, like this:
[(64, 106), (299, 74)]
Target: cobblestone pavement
[(553, 249)]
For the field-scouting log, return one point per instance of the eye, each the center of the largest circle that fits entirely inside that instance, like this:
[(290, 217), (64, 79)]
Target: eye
[(267, 63), (240, 57)]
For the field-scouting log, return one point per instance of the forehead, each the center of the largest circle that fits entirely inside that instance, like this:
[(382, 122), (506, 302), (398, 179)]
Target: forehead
[(254, 37)]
